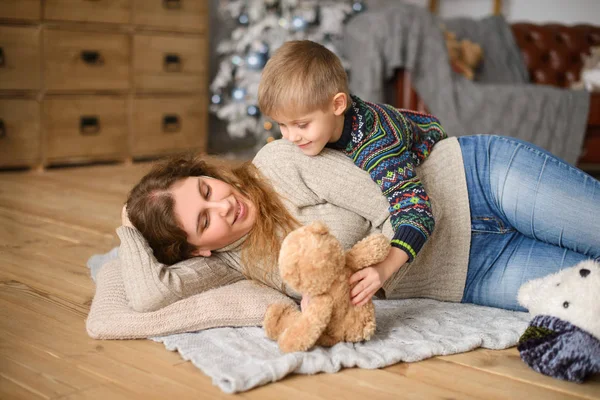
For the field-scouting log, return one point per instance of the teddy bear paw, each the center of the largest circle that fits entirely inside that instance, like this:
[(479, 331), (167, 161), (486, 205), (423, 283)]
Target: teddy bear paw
[(277, 319), (290, 343)]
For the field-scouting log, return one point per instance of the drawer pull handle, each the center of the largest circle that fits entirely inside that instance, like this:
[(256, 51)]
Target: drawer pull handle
[(2, 129), (172, 4), (89, 125), (172, 63), (92, 57), (2, 60), (171, 123)]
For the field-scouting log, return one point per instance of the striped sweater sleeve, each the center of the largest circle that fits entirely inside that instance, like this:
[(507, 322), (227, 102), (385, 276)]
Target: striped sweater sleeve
[(394, 143), (410, 207)]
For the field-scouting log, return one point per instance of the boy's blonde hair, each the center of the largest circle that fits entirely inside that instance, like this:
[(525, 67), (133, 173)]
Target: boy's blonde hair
[(301, 77)]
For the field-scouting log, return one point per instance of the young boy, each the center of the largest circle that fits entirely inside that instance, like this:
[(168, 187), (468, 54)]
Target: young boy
[(305, 89)]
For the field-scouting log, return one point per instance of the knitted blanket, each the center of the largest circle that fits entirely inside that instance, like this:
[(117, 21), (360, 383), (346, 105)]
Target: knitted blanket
[(499, 101), (239, 359), (559, 349)]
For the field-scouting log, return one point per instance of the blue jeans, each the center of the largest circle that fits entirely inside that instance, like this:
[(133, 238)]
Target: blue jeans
[(532, 214)]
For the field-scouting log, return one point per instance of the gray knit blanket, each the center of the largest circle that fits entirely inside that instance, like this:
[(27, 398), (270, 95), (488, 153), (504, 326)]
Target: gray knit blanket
[(239, 359), (499, 101)]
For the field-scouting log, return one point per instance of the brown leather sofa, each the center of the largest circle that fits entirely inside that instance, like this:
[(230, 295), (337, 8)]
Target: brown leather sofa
[(553, 54)]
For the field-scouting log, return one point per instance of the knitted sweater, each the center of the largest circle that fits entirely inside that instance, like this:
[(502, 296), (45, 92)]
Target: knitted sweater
[(327, 187), (389, 144)]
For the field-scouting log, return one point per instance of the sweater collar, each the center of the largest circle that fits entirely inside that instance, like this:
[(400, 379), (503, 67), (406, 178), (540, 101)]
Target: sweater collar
[(235, 246), (350, 125)]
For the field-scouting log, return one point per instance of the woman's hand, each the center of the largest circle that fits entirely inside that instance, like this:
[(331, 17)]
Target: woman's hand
[(369, 280), (125, 217)]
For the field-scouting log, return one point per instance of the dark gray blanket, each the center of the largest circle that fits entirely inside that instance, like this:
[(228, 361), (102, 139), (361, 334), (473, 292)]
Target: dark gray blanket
[(499, 101)]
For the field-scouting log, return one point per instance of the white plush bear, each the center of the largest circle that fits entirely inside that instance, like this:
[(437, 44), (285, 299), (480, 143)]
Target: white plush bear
[(563, 339), (572, 295)]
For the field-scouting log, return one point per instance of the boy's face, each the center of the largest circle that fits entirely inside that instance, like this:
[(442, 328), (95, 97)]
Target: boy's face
[(312, 132)]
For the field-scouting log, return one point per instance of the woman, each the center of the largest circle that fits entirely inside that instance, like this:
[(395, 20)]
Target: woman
[(506, 212)]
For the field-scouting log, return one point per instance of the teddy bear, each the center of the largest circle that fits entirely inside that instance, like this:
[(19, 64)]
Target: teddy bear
[(464, 55), (590, 72), (313, 262), (563, 339)]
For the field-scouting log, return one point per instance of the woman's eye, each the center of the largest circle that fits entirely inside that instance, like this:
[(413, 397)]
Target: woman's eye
[(303, 126), (207, 195), (205, 223)]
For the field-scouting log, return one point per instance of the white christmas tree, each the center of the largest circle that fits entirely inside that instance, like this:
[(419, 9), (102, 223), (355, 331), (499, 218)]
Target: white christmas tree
[(263, 26)]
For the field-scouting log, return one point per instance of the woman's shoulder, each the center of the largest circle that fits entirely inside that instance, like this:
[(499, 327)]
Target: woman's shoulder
[(273, 151), (281, 151)]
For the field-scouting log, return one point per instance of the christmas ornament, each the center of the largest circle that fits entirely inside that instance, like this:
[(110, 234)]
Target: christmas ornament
[(216, 99), (284, 23), (256, 60), (243, 19), (358, 6), (298, 24), (252, 111), (238, 94)]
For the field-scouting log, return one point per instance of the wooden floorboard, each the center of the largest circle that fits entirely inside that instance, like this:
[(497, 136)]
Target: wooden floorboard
[(51, 222)]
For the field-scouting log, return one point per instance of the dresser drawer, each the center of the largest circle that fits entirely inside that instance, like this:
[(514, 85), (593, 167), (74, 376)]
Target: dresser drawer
[(19, 58), (168, 125), (85, 128), (111, 11), (187, 15), (19, 132), (21, 9), (86, 60), (170, 63)]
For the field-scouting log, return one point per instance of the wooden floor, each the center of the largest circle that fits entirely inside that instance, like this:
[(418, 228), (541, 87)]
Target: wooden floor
[(51, 222)]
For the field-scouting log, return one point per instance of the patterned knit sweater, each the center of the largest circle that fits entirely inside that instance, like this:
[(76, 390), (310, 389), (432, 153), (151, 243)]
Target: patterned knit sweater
[(389, 144)]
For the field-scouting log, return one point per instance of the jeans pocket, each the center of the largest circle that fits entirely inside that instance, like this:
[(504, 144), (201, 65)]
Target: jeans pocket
[(489, 225)]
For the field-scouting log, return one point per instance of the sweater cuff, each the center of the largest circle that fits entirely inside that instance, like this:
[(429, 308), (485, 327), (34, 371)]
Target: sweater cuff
[(409, 239)]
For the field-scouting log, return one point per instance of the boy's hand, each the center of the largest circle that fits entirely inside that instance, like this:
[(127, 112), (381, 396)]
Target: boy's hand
[(369, 280)]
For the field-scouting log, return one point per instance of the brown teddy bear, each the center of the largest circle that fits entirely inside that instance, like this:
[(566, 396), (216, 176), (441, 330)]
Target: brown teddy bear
[(313, 263), (464, 55)]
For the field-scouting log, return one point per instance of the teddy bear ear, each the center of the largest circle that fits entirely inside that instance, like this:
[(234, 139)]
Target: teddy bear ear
[(318, 228)]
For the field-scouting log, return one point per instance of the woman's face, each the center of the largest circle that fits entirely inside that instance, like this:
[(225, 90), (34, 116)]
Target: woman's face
[(213, 213)]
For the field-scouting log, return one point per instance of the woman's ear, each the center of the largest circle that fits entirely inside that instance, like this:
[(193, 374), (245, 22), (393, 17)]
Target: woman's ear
[(201, 253), (340, 101)]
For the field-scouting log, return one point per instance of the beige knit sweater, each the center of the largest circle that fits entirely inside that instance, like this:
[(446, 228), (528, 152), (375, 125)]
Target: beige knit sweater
[(207, 292)]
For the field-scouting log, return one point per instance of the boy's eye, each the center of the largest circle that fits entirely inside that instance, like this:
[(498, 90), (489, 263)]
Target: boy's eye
[(302, 126), (206, 222), (207, 194)]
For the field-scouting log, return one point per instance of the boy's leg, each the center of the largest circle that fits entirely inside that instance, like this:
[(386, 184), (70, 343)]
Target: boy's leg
[(532, 214)]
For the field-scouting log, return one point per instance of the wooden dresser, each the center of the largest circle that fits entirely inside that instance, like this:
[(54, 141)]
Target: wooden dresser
[(100, 80)]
